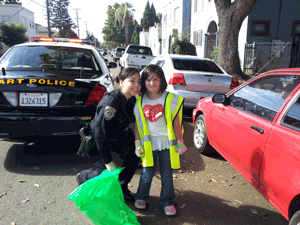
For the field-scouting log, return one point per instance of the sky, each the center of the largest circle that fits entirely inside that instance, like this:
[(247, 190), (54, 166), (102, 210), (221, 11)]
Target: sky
[(91, 13)]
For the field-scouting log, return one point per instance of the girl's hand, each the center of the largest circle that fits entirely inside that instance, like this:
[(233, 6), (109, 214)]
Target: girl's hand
[(138, 149), (180, 148)]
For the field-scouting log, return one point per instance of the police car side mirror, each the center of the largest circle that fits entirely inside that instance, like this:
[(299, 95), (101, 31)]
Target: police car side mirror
[(112, 65)]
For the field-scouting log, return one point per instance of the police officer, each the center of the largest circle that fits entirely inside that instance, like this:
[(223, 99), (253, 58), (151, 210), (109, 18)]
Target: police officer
[(110, 129)]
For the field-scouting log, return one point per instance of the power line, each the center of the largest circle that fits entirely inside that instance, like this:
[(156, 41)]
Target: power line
[(77, 19)]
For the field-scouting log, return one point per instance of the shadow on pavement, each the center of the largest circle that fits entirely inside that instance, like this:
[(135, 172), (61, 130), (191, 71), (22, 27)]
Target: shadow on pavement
[(198, 208), (48, 157)]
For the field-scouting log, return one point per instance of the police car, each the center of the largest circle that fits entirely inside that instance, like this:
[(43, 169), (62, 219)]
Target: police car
[(50, 87)]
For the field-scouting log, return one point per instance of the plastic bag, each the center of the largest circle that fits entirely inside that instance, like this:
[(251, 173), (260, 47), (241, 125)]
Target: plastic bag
[(102, 200)]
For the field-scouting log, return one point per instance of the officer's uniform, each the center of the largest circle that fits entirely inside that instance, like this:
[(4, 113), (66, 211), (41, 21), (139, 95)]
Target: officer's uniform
[(110, 129)]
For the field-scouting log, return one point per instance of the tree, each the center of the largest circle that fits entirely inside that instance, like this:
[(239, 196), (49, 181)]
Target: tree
[(66, 33), (59, 15), (183, 47), (231, 16), (124, 16), (149, 17), (12, 34), (112, 31)]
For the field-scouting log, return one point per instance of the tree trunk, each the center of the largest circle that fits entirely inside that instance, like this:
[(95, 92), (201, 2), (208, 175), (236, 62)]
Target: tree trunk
[(231, 17), (126, 34)]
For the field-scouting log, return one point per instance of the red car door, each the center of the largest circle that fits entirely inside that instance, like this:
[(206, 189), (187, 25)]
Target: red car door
[(239, 131), (280, 174)]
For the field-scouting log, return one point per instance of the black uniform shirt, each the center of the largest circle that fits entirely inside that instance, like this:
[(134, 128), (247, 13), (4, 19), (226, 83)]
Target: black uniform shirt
[(114, 114)]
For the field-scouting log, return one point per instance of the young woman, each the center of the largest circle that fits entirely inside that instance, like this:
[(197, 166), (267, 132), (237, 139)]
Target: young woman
[(158, 135), (109, 127)]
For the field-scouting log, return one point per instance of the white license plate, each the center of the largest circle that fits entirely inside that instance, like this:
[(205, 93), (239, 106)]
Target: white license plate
[(33, 99)]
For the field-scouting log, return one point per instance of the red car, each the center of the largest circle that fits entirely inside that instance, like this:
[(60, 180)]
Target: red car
[(256, 128)]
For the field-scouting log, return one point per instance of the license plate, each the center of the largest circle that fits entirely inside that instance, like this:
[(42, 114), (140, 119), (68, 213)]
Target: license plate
[(33, 99)]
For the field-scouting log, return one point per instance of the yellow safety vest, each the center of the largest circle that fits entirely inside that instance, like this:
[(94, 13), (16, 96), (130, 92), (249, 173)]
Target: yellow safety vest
[(173, 106)]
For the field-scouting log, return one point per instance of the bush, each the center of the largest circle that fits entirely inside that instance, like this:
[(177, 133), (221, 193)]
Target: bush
[(214, 54), (183, 47)]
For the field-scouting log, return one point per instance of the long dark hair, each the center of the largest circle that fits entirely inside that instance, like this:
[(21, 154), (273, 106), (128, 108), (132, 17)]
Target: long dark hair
[(149, 71), (126, 73)]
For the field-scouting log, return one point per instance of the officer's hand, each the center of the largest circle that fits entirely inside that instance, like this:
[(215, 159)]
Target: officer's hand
[(138, 149), (180, 148), (111, 166)]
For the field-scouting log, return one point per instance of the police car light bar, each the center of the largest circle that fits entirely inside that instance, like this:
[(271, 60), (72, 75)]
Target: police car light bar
[(51, 39)]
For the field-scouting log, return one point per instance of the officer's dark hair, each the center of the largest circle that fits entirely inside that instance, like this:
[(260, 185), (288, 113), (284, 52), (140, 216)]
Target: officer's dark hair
[(126, 73), (148, 72)]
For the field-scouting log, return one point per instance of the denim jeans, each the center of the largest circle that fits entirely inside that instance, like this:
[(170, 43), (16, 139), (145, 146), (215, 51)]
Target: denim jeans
[(167, 194)]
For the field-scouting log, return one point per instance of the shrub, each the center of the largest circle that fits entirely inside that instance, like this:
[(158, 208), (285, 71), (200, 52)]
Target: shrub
[(214, 54), (183, 47)]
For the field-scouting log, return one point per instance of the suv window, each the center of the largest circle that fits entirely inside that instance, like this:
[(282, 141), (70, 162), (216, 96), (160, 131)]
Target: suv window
[(52, 58), (139, 50), (196, 65), (265, 96)]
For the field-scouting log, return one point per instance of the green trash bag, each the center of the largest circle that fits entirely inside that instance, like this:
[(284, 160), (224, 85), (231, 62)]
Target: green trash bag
[(102, 200)]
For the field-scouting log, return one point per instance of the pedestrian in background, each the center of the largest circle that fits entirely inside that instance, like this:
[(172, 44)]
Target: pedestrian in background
[(109, 127), (158, 135)]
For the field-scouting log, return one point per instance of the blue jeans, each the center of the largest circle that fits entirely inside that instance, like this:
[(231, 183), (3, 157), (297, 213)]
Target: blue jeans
[(167, 194)]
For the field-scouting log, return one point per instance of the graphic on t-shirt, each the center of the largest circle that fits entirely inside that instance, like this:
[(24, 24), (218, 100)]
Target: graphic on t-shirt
[(153, 113)]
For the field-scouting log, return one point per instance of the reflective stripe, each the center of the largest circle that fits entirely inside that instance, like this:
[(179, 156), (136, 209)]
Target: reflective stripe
[(172, 142)]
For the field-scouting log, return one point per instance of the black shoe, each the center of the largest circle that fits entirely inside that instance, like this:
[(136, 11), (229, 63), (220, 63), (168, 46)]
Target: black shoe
[(79, 182), (128, 196)]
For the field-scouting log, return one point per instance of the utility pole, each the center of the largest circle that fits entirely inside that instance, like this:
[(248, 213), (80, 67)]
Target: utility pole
[(48, 18), (77, 20)]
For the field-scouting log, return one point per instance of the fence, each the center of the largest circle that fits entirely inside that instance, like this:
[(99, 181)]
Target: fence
[(264, 56)]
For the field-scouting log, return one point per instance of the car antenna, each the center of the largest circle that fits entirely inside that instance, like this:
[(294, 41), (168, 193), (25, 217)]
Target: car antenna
[(3, 71)]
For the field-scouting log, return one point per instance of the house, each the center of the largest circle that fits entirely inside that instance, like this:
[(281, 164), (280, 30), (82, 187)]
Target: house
[(16, 13), (176, 22), (155, 40), (42, 31), (144, 37), (266, 37)]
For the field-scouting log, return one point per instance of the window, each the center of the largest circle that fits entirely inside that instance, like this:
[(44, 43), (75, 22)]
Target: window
[(5, 19), (25, 22), (198, 38), (164, 43), (176, 14), (292, 118), (296, 28), (196, 65), (265, 96), (260, 28), (198, 5)]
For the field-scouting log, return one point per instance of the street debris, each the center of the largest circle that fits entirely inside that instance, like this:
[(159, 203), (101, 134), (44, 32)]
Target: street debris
[(26, 200), (3, 194), (262, 215), (183, 206), (238, 201), (21, 181), (13, 223), (51, 202), (36, 185)]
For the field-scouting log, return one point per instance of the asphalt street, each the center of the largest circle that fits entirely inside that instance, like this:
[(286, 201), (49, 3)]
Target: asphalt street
[(36, 179)]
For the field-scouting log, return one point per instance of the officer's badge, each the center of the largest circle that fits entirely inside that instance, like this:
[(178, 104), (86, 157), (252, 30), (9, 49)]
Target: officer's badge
[(109, 112)]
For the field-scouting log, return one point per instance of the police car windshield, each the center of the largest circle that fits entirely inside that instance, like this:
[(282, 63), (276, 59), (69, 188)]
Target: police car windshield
[(52, 58)]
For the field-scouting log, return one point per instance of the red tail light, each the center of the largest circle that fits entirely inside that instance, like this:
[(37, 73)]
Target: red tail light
[(96, 95), (177, 79), (234, 82)]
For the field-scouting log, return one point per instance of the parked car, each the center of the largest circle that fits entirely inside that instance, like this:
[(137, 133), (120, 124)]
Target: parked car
[(194, 78), (136, 56), (50, 87), (256, 128), (118, 53)]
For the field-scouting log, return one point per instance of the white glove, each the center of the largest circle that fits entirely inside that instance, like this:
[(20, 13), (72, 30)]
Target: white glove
[(138, 149), (111, 166), (180, 149)]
